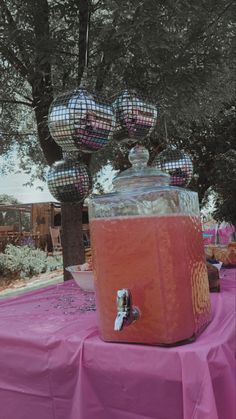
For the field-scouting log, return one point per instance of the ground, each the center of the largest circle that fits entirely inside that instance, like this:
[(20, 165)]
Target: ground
[(19, 286)]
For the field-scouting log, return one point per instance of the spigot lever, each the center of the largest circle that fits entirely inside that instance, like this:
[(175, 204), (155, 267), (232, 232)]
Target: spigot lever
[(126, 314)]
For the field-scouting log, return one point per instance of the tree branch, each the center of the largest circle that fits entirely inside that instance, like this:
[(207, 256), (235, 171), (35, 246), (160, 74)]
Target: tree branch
[(219, 15), (96, 6), (84, 7), (15, 31), (103, 70), (11, 57), (109, 44), (17, 102), (211, 23), (18, 134)]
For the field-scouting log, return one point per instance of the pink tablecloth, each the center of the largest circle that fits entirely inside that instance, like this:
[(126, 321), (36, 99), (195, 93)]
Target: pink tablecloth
[(54, 366)]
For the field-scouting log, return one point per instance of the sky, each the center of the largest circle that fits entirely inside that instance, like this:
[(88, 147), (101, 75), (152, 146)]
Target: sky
[(13, 184)]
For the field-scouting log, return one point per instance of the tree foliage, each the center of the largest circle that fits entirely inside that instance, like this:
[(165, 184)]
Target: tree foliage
[(178, 53)]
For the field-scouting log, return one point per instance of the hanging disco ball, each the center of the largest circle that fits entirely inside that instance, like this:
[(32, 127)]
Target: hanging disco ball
[(135, 117), (69, 181), (81, 121), (177, 164)]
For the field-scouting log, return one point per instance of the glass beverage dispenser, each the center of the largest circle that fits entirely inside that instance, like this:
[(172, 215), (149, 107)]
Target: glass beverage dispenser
[(150, 274)]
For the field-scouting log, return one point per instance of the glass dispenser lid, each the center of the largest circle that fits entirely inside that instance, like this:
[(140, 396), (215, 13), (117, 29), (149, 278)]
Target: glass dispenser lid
[(140, 174)]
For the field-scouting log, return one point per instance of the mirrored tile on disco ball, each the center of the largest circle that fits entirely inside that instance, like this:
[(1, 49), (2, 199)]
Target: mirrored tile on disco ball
[(135, 117), (69, 181), (87, 124), (177, 164)]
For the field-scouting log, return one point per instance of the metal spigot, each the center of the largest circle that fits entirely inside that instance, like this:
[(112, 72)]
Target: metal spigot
[(126, 313)]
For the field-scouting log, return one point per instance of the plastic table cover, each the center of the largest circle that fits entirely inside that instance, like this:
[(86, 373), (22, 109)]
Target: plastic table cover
[(53, 365)]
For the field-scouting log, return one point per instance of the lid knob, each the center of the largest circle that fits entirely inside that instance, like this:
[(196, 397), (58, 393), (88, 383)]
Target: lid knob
[(140, 175), (138, 156)]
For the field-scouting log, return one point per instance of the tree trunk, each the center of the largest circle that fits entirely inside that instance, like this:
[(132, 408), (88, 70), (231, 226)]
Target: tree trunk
[(42, 91), (42, 100), (41, 80), (72, 239)]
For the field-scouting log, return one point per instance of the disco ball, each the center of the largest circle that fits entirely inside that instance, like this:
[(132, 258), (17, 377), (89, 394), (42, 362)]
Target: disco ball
[(69, 181), (177, 164), (81, 121), (135, 117)]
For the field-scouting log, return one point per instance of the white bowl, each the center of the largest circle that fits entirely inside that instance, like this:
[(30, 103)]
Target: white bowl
[(83, 278)]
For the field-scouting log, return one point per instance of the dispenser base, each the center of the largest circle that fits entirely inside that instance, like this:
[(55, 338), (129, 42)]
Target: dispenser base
[(165, 345)]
